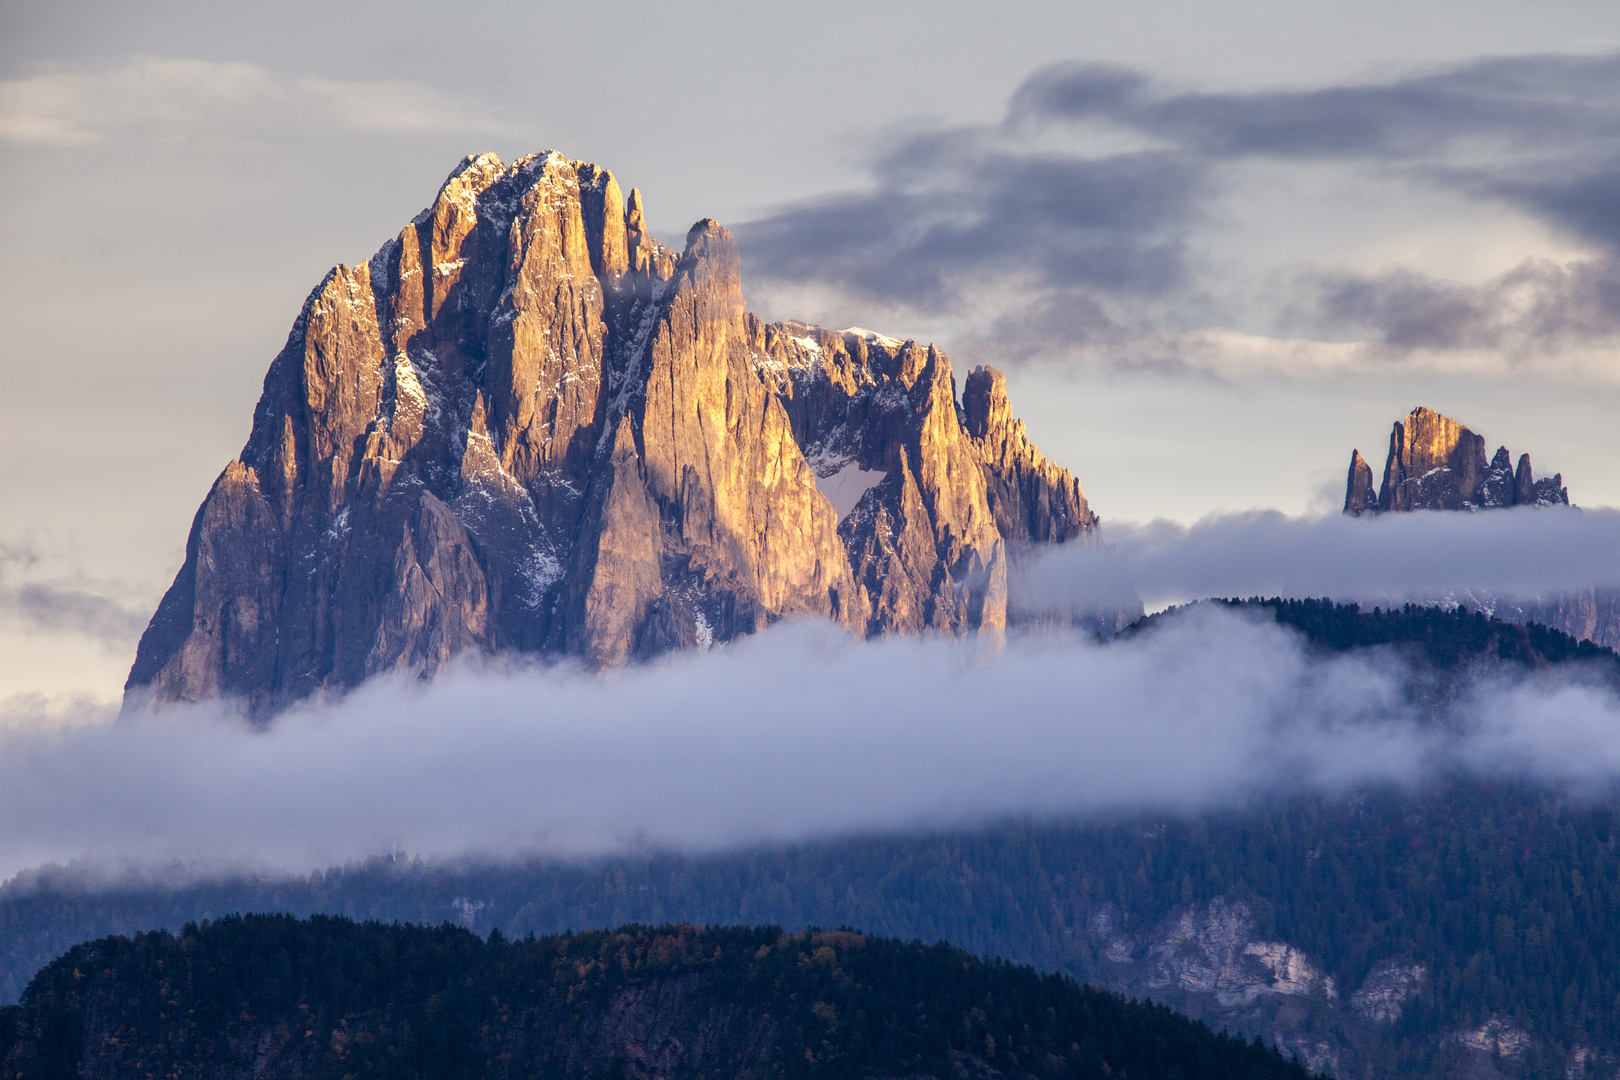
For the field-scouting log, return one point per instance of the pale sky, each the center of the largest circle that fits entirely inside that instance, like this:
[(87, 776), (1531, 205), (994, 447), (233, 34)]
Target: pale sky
[(1215, 246)]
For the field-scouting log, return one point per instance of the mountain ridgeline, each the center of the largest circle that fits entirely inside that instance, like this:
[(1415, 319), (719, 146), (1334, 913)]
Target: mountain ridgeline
[(273, 996), (1435, 463), (526, 425)]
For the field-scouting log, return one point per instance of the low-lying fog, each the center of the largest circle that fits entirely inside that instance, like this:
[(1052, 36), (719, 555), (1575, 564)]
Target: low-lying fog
[(794, 733), (1512, 554)]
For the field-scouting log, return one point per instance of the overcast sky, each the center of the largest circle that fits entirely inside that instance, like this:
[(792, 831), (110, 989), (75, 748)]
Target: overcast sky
[(1215, 246)]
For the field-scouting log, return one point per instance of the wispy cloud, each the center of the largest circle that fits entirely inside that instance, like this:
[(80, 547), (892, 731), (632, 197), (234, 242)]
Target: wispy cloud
[(178, 99), (40, 596), (1075, 228), (795, 733), (1541, 107), (954, 208), (1537, 310)]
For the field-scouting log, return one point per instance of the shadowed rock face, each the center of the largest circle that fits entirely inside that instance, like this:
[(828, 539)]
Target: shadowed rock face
[(1436, 463), (527, 425)]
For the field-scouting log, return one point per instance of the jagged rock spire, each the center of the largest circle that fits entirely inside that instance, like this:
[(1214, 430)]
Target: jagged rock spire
[(1435, 463), (1359, 495)]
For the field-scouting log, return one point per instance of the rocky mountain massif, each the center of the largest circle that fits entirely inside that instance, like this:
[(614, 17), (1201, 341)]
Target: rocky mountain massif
[(525, 424), (271, 997), (1435, 463)]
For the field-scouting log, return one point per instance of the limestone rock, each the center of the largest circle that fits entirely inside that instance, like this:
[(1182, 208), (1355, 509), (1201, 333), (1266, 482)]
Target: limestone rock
[(215, 630), (1498, 487), (1387, 990), (1210, 961), (438, 604), (1359, 496), (526, 425), (1434, 463)]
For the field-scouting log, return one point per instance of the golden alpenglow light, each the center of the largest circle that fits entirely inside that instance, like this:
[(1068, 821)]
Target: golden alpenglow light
[(527, 425)]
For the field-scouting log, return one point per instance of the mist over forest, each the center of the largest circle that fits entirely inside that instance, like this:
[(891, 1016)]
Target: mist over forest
[(795, 734)]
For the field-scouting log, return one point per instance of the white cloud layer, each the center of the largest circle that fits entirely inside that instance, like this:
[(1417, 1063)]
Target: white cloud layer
[(1521, 553), (153, 97), (795, 733)]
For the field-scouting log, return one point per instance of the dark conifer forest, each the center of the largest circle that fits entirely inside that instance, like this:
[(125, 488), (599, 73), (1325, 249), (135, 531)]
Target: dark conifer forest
[(326, 997)]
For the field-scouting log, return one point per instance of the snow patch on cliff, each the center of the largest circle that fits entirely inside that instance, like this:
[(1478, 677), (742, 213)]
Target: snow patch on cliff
[(845, 485), (540, 571), (889, 343)]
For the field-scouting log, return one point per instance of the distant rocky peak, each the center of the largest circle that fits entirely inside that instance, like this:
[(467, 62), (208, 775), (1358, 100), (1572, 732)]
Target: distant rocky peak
[(1436, 463)]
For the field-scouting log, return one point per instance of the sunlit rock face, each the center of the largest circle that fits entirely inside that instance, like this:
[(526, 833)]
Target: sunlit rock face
[(1435, 463), (526, 425)]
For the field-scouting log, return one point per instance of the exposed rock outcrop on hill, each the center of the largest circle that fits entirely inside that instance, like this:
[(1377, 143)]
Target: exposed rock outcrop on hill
[(1435, 463), (525, 424), (1210, 961)]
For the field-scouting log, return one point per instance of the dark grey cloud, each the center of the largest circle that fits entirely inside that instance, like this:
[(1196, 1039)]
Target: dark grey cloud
[(1535, 307), (1036, 242), (65, 604), (954, 211), (796, 733), (1545, 104)]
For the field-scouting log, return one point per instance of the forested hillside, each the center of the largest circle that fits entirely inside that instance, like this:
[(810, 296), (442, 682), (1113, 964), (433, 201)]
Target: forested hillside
[(1509, 895), (329, 997), (1505, 895), (1443, 638)]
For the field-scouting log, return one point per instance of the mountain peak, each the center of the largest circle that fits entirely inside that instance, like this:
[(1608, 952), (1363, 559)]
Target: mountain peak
[(526, 425), (1436, 463)]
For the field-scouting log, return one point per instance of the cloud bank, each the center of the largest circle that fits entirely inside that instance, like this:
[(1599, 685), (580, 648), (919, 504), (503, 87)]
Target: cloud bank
[(795, 733), (1521, 552)]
